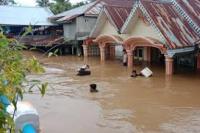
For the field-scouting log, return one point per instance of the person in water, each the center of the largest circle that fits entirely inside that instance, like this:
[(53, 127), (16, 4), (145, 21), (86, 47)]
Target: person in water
[(134, 74), (93, 88), (125, 57)]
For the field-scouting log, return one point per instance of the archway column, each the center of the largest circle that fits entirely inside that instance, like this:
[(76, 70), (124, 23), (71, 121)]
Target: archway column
[(102, 53), (130, 58), (85, 50), (169, 65)]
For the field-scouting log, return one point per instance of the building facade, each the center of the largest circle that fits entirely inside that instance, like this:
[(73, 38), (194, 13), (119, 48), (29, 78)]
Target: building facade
[(154, 31)]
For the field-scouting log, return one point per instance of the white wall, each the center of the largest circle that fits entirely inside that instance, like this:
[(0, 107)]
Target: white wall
[(85, 24), (70, 31), (108, 29), (140, 28)]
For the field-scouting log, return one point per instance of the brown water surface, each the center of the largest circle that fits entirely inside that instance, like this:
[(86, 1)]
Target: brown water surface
[(159, 104)]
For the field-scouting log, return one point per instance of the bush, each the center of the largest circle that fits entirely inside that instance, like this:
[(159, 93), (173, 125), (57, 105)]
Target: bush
[(13, 71)]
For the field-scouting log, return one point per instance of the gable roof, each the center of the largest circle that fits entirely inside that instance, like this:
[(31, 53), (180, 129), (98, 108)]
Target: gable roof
[(118, 15), (17, 15), (115, 15), (91, 9), (163, 16), (70, 14)]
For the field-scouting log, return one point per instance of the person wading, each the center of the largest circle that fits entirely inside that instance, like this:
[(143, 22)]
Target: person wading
[(125, 57)]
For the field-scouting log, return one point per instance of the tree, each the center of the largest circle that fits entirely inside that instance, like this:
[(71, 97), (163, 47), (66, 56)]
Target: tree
[(79, 4), (7, 2), (58, 6), (43, 3), (13, 82)]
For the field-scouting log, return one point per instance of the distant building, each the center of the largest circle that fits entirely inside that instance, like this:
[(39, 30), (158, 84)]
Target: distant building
[(13, 20), (17, 16)]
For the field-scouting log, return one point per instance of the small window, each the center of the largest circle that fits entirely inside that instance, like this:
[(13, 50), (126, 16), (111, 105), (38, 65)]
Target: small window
[(86, 20)]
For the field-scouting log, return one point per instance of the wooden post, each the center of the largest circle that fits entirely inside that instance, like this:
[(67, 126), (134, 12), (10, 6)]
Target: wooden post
[(102, 53)]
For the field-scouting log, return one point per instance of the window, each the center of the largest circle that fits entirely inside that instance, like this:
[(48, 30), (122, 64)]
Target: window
[(138, 54)]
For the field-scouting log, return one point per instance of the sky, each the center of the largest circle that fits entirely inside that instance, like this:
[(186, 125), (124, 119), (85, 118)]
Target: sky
[(33, 3)]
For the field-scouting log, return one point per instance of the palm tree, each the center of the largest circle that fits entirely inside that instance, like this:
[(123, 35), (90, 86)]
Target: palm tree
[(43, 3)]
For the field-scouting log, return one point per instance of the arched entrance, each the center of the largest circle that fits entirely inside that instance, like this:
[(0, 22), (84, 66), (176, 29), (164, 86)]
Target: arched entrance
[(107, 45), (132, 43)]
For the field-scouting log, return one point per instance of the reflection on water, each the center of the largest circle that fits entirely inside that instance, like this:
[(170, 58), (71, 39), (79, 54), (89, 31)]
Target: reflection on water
[(158, 104)]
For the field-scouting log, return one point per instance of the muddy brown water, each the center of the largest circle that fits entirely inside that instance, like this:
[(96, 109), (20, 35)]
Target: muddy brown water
[(159, 104)]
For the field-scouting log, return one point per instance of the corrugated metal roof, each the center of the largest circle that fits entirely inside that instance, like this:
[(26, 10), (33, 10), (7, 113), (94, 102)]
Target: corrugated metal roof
[(121, 3), (91, 9), (118, 14), (114, 14), (175, 30), (16, 15), (192, 8), (73, 12), (174, 27)]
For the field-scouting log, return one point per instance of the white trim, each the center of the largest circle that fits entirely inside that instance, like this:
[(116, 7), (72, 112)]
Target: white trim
[(98, 23), (181, 11), (149, 19), (131, 15), (111, 20), (171, 53)]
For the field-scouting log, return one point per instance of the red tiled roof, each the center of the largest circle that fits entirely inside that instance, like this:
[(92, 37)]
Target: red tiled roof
[(174, 27), (192, 8), (118, 14)]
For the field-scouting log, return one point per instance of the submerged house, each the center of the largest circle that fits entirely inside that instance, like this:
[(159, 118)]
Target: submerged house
[(79, 22), (155, 31), (107, 33), (13, 20)]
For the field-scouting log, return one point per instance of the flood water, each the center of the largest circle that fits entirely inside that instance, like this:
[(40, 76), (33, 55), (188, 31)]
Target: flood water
[(160, 104)]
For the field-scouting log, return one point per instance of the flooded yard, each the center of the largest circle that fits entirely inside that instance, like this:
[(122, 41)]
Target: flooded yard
[(159, 104)]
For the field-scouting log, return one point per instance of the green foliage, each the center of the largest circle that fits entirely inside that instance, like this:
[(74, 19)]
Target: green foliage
[(13, 71), (7, 2), (43, 3), (58, 6), (79, 4)]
